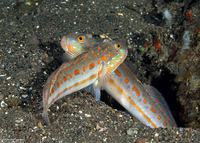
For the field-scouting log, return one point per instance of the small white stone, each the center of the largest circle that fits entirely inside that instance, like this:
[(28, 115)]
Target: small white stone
[(24, 95), (87, 115), (156, 134), (3, 104), (8, 77), (57, 107), (17, 121)]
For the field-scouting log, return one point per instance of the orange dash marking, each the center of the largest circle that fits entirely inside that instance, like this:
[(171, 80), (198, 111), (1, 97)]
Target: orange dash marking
[(153, 110), (158, 117), (76, 72), (110, 55), (61, 81), (157, 100), (136, 90), (92, 65), (84, 68), (99, 72), (126, 80), (148, 88), (98, 62), (70, 75), (103, 58), (144, 100), (58, 84), (163, 110), (117, 72), (164, 123), (65, 78)]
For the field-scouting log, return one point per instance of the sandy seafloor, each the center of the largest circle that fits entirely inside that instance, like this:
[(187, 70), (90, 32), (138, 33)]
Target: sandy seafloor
[(30, 34)]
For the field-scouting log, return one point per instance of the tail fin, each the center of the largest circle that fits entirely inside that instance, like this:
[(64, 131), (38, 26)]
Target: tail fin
[(159, 99), (45, 107)]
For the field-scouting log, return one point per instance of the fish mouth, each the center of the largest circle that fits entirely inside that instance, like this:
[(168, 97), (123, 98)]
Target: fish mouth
[(64, 42)]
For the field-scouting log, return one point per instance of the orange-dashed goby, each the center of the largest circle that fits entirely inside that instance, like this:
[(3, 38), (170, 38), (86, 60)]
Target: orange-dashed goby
[(143, 101), (93, 66)]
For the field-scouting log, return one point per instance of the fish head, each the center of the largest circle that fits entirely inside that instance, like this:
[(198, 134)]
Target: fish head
[(76, 43), (120, 52)]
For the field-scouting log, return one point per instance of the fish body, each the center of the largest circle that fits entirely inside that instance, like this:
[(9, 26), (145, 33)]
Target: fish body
[(143, 101), (125, 88), (93, 66)]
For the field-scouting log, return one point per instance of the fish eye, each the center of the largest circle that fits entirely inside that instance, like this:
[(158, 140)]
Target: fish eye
[(81, 39), (118, 46)]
